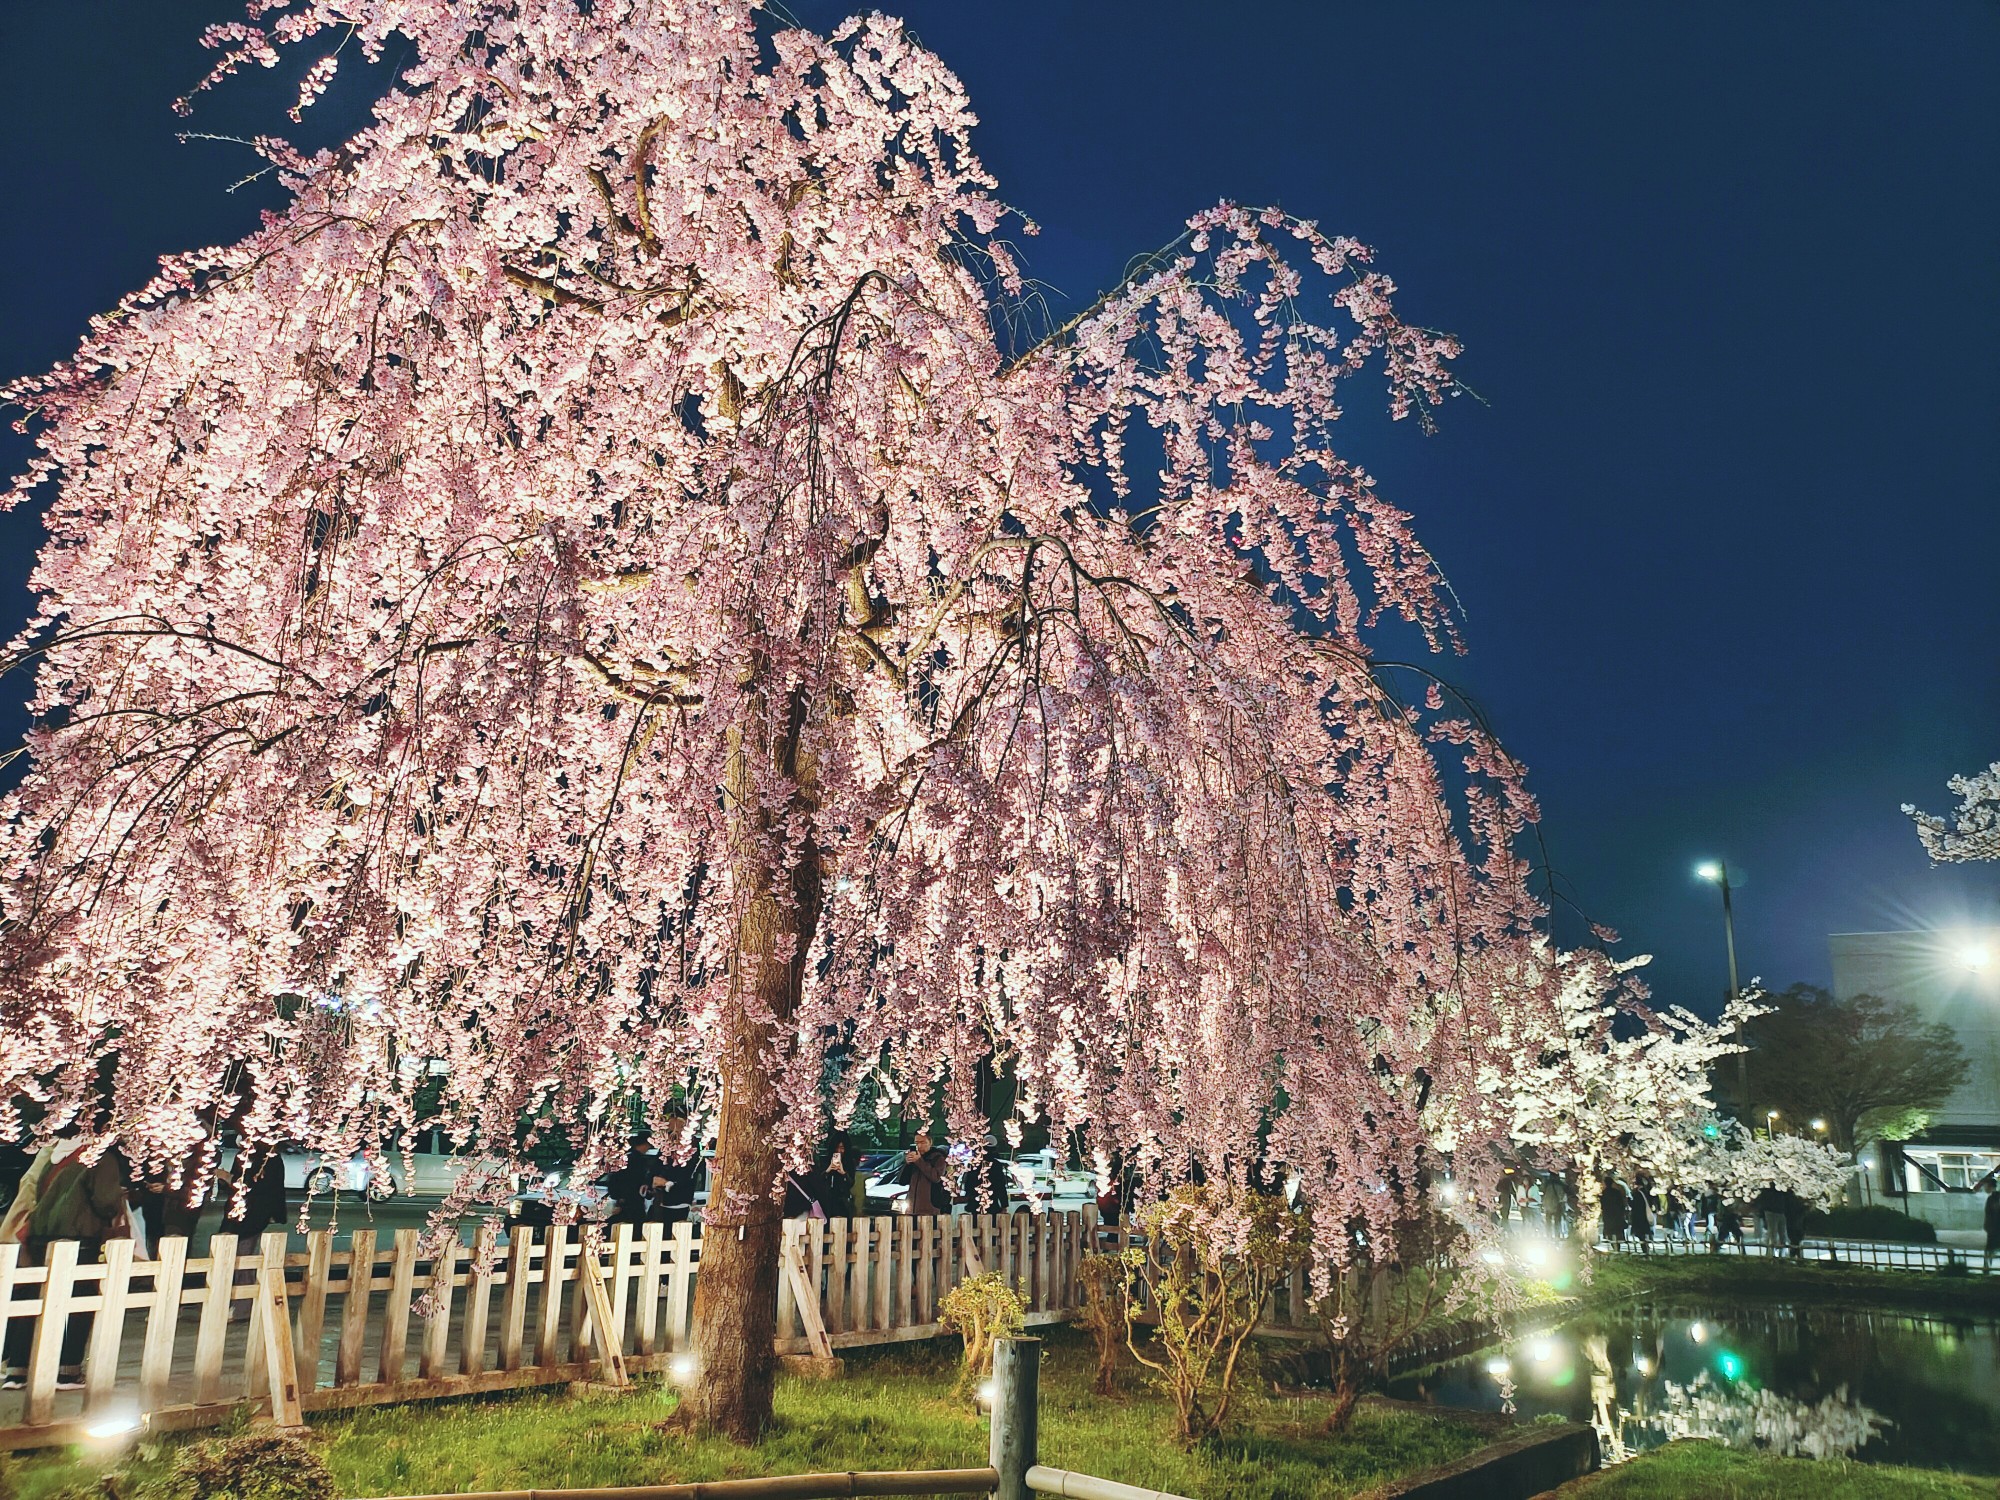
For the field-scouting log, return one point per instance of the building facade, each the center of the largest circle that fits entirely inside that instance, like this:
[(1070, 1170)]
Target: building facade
[(1953, 978)]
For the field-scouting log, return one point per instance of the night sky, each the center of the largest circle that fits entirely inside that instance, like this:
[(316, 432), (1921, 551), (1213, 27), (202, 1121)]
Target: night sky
[(1729, 281)]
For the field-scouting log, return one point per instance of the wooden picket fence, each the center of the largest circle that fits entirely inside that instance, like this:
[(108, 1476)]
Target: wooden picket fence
[(181, 1340)]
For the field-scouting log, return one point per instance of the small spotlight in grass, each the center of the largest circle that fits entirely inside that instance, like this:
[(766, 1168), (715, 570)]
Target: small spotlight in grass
[(116, 1423), (683, 1368), (986, 1393)]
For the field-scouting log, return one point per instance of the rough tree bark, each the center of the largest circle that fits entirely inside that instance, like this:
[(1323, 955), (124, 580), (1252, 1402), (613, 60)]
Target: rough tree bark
[(736, 1288)]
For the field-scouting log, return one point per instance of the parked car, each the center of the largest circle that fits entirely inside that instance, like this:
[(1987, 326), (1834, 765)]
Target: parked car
[(1045, 1181), (424, 1174), (537, 1204)]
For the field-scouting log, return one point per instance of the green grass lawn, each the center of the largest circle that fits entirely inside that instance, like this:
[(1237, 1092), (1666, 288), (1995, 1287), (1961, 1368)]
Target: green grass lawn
[(1687, 1469), (891, 1411)]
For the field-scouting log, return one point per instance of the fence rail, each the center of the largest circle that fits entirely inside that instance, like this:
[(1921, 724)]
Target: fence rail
[(179, 1340), (1879, 1255)]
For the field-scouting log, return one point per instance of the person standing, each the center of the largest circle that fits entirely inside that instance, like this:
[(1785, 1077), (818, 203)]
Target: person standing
[(1640, 1213), (78, 1200), (924, 1167), (261, 1202), (843, 1192), (1612, 1212), (1993, 1220)]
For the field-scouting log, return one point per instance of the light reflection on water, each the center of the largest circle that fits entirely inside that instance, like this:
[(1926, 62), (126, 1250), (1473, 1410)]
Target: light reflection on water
[(1806, 1383)]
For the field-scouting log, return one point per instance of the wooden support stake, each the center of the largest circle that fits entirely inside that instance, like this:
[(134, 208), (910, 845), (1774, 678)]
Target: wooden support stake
[(805, 1297), (1012, 1443), (610, 1360), (652, 1252)]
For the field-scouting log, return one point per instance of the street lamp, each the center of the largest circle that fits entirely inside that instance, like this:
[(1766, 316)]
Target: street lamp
[(1716, 872), (1771, 1123), (1819, 1125)]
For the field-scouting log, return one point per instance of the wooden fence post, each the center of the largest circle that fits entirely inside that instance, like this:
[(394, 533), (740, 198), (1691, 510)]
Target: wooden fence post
[(45, 1353), (312, 1307), (156, 1362), (354, 1303), (218, 1293), (606, 1333), (1012, 1444), (101, 1365), (277, 1320)]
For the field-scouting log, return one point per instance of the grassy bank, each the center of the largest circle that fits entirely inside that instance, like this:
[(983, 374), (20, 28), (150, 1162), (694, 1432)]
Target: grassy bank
[(1617, 1278), (892, 1410), (1692, 1468)]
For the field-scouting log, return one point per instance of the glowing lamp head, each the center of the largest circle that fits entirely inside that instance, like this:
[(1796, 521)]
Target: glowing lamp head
[(1499, 1369), (1819, 1124), (1708, 870)]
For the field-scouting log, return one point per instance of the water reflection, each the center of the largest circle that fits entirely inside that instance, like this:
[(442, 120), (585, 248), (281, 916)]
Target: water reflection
[(1805, 1383)]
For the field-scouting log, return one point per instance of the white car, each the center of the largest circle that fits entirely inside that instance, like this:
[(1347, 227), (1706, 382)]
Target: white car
[(425, 1174), (1044, 1179)]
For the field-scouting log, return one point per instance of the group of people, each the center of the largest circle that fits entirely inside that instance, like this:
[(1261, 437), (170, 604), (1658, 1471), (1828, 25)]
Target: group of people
[(64, 1192), (1642, 1210), (1546, 1199)]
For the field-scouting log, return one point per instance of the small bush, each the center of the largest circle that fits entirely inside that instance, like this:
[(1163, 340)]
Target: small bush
[(1209, 1265), (1873, 1221), (1106, 1282), (255, 1466), (980, 1309)]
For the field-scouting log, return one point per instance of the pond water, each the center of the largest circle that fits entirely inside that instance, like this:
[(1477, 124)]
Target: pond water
[(1820, 1382)]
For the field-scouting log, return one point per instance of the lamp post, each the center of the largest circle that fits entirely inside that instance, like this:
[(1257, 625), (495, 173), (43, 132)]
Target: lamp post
[(1716, 872)]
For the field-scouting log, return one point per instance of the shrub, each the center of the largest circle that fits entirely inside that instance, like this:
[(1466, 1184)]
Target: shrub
[(1106, 1283), (1209, 1265), (254, 1466), (1873, 1221), (980, 1309)]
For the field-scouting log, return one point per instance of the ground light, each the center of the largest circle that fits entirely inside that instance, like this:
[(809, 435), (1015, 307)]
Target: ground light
[(1730, 1364), (116, 1423), (682, 1368)]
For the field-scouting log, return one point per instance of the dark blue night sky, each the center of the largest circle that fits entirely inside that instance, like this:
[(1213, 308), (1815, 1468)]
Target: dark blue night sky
[(1728, 277)]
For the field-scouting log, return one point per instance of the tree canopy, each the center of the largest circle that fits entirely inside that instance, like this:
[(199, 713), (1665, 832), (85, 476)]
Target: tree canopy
[(1871, 1068)]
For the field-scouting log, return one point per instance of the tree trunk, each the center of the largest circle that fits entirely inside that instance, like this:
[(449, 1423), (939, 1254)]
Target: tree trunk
[(736, 1286)]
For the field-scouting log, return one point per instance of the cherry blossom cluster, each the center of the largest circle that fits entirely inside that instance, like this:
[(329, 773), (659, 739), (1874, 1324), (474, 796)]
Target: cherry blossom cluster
[(587, 595), (1973, 831)]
